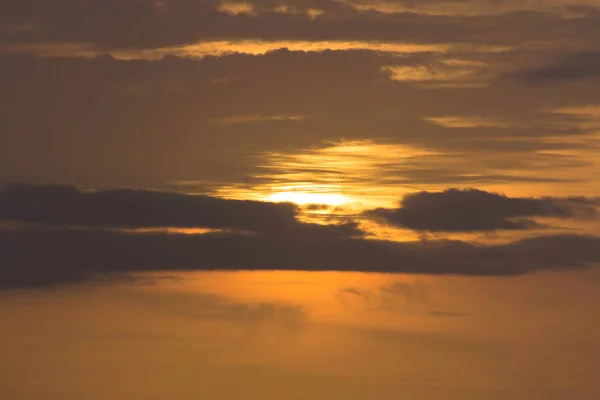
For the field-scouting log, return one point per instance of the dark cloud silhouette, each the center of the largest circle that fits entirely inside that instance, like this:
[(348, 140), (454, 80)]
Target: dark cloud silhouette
[(129, 208), (60, 253), (573, 67), (44, 257), (471, 210)]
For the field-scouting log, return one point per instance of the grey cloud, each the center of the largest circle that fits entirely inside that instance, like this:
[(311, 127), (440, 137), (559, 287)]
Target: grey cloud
[(153, 119), (584, 9), (331, 7), (471, 210), (572, 67), (132, 23), (45, 257), (128, 208)]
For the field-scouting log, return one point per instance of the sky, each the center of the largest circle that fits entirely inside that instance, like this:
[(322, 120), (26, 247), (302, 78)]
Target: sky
[(299, 199)]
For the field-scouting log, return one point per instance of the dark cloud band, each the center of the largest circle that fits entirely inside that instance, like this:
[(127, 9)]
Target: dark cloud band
[(476, 210), (44, 257), (128, 208)]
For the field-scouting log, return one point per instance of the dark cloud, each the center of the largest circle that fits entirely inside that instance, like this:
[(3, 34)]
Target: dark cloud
[(128, 208), (471, 210), (135, 23), (142, 24), (571, 68), (154, 120), (43, 257)]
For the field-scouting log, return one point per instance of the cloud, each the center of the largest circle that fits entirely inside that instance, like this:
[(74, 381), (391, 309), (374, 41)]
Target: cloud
[(155, 120), (399, 298), (45, 257), (221, 48), (159, 24), (442, 73), (128, 208), (470, 122), (235, 8), (209, 306), (368, 175), (472, 210), (475, 7), (393, 297), (575, 66), (257, 119), (49, 249)]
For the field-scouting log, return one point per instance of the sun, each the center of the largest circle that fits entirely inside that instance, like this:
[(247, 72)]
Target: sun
[(305, 198)]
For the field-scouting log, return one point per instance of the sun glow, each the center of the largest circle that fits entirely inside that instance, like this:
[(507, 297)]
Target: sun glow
[(304, 198), (337, 179)]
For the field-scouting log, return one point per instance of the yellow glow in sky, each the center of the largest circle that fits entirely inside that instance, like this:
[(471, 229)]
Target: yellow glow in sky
[(303, 198), (235, 8), (203, 49), (349, 176)]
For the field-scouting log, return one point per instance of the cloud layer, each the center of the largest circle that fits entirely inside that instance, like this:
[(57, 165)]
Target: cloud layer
[(74, 235), (43, 257), (476, 210), (171, 22), (128, 208), (239, 98)]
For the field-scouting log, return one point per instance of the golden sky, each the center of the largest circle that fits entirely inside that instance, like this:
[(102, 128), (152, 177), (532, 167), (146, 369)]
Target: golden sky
[(285, 199)]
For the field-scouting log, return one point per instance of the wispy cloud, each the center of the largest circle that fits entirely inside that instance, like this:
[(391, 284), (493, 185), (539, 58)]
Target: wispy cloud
[(256, 119), (471, 122), (455, 73), (236, 7), (370, 175)]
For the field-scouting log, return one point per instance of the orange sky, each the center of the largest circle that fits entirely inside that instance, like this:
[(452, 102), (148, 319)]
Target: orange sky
[(285, 199)]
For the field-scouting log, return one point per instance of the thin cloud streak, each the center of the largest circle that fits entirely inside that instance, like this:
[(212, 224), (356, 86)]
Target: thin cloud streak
[(220, 48), (257, 119), (564, 8)]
